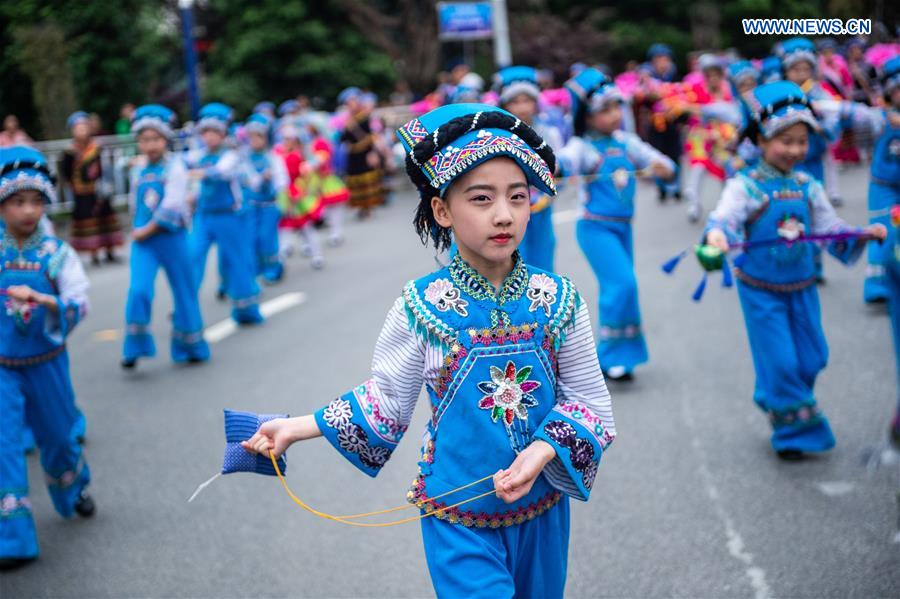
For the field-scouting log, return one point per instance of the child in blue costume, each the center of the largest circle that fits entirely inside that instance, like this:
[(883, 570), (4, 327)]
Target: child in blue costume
[(744, 77), (507, 356), (264, 177), (520, 94), (159, 187), (884, 186), (44, 291), (218, 217), (776, 284), (610, 158)]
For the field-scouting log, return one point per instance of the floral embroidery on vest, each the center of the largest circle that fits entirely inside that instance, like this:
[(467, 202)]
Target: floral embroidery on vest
[(444, 296), (508, 393), (542, 292)]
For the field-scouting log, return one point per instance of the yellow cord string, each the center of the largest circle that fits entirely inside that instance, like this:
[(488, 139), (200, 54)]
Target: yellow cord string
[(347, 519)]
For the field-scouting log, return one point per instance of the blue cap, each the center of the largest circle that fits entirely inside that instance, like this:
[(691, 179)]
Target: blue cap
[(491, 133), (512, 81), (75, 118), (771, 69), (258, 123), (891, 74), (24, 168), (590, 91), (265, 107), (215, 115), (288, 106), (742, 69), (796, 49), (349, 93), (779, 105), (659, 50), (153, 116)]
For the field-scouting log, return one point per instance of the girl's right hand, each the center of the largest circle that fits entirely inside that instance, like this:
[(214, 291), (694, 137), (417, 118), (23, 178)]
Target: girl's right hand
[(274, 435), (718, 239)]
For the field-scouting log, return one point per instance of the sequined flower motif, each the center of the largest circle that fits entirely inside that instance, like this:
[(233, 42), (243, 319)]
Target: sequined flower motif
[(542, 292), (508, 393), (561, 432), (791, 228), (20, 312), (48, 247), (444, 296), (352, 438), (337, 414), (151, 199), (589, 474), (582, 454), (374, 457)]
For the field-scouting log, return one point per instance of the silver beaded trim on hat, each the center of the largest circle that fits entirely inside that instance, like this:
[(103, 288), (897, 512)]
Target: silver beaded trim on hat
[(774, 124), (23, 181), (534, 162), (151, 122), (212, 123)]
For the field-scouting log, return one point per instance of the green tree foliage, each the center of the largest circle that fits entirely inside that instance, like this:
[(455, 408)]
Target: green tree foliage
[(278, 49)]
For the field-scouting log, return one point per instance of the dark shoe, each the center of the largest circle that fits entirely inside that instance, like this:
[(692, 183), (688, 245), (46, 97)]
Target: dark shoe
[(13, 563), (112, 258), (790, 455), (663, 196), (677, 196), (221, 295), (128, 363), (95, 261), (85, 505), (820, 280), (895, 432)]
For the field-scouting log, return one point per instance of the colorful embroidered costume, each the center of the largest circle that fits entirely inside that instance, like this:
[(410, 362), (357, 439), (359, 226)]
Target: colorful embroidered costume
[(300, 202), (776, 284), (34, 366), (218, 219), (364, 175), (539, 244), (264, 177), (604, 231), (94, 223), (159, 195), (502, 369)]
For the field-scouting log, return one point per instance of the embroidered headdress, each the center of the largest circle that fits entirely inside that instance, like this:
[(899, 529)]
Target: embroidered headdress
[(24, 168)]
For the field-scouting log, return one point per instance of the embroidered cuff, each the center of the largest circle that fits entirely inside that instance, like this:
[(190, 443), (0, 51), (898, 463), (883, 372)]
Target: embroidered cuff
[(848, 251), (57, 326), (356, 426), (579, 438)]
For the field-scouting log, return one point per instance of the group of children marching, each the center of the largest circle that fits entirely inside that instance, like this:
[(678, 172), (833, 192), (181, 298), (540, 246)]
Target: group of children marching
[(503, 344)]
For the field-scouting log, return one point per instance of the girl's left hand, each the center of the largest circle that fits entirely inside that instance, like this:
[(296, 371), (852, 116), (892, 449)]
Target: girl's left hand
[(516, 481), (877, 231), (21, 293)]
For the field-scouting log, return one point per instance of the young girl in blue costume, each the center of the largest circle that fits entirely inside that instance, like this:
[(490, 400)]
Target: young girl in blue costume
[(43, 289), (776, 284), (264, 177), (507, 356), (884, 185), (159, 187), (610, 158), (520, 94), (218, 218)]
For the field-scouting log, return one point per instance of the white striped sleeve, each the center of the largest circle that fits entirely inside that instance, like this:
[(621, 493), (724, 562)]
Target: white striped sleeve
[(398, 364)]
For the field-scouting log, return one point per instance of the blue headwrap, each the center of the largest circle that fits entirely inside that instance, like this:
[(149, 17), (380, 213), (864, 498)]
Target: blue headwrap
[(24, 168), (153, 116), (512, 81), (258, 123), (215, 116), (777, 106), (740, 70), (288, 106), (348, 93), (590, 91), (891, 75), (796, 49), (265, 108), (659, 50), (75, 118), (771, 69), (445, 143)]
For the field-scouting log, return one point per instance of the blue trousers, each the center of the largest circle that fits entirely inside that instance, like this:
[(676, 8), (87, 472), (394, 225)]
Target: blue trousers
[(609, 250), (523, 560), (789, 350), (265, 235), (892, 285), (229, 231), (539, 244), (170, 251), (42, 396), (881, 199)]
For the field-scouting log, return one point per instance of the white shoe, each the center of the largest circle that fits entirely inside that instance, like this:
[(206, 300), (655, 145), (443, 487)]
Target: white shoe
[(694, 212), (318, 262)]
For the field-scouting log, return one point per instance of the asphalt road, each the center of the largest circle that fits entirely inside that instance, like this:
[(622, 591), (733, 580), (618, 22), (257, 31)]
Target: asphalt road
[(690, 501)]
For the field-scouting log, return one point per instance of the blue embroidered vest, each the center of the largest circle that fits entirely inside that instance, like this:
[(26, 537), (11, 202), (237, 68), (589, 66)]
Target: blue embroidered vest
[(497, 385), (611, 193), (886, 158), (150, 188), (216, 195), (24, 336), (785, 213), (260, 162)]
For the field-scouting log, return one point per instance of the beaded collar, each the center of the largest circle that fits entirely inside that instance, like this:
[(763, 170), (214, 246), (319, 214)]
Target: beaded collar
[(473, 283), (770, 172), (33, 241)]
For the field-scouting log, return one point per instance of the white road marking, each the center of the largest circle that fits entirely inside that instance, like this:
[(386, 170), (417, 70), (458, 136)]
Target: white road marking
[(835, 488), (228, 327)]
